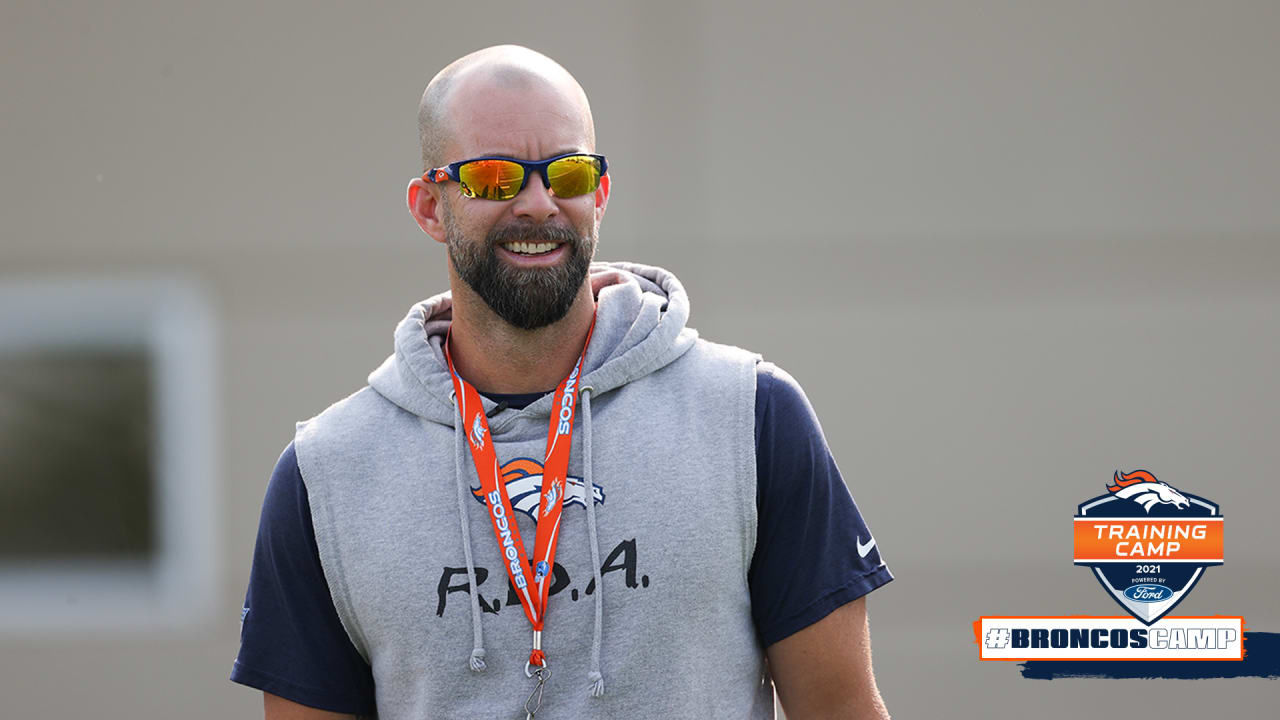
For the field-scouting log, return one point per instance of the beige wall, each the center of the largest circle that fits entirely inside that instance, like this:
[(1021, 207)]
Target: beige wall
[(1040, 245)]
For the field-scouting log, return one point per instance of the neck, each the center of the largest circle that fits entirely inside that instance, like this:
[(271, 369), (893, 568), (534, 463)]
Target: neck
[(497, 357)]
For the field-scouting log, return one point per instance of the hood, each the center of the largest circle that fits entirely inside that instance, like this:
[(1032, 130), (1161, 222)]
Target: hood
[(641, 312)]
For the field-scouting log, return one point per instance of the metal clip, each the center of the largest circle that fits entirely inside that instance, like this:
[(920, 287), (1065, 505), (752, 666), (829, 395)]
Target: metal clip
[(535, 697)]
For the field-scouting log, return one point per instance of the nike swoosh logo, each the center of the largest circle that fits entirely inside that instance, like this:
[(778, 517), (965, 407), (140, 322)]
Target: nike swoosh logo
[(864, 549)]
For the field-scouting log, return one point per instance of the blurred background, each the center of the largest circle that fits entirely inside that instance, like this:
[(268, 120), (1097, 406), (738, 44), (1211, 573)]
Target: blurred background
[(1007, 248)]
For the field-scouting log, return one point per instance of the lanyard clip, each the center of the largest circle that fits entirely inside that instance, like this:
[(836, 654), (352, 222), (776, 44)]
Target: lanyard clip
[(536, 658), (534, 701)]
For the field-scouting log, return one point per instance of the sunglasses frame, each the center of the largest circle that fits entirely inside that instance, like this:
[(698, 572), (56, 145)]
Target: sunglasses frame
[(451, 171)]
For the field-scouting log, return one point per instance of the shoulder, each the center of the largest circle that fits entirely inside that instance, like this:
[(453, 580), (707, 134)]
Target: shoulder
[(286, 514), (783, 411), (709, 367), (714, 351), (345, 429), (776, 387), (716, 359), (352, 410)]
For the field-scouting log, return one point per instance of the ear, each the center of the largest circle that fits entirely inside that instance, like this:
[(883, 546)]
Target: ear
[(424, 205), (602, 199)]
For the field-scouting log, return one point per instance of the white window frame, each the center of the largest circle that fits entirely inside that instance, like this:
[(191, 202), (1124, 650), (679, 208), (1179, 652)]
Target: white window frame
[(171, 318)]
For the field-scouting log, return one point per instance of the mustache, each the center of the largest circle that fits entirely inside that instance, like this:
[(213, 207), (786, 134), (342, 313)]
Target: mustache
[(528, 232)]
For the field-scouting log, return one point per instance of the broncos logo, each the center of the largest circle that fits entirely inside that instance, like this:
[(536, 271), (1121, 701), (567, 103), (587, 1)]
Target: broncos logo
[(553, 496), (477, 432), (1143, 488), (523, 478)]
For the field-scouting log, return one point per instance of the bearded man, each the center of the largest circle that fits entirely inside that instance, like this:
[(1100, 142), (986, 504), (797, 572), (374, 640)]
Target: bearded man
[(554, 499)]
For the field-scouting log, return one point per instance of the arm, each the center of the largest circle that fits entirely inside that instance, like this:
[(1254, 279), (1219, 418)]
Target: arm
[(275, 707), (824, 671), (292, 644), (815, 560)]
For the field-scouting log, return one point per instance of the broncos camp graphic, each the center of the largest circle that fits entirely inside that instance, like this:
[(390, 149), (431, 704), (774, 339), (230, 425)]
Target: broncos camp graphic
[(523, 478), (1147, 542)]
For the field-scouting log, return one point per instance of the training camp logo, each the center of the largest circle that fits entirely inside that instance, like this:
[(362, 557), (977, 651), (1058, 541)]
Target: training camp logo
[(1148, 543), (523, 478)]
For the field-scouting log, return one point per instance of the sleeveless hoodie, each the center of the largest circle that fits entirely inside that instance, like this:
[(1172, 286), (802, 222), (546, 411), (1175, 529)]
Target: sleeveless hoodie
[(649, 613)]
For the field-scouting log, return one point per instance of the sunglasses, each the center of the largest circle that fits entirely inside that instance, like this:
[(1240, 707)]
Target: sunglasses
[(502, 178)]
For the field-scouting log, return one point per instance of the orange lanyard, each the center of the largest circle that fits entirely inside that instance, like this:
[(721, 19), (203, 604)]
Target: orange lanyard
[(532, 587)]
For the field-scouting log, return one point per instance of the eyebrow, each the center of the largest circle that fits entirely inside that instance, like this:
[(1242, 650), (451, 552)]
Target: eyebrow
[(571, 151)]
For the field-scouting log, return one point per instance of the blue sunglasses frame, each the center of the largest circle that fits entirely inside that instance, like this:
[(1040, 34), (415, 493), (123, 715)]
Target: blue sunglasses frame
[(450, 171)]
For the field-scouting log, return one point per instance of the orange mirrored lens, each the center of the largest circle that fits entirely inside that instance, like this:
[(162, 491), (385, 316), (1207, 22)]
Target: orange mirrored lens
[(491, 179), (575, 175)]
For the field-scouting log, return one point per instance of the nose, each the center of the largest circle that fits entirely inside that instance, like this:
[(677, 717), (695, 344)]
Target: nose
[(535, 202)]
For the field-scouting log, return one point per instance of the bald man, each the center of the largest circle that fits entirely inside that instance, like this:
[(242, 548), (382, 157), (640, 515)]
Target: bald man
[(554, 499)]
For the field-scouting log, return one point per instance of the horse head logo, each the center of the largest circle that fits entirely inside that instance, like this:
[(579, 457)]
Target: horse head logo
[(477, 432), (1143, 488), (551, 497), (523, 478)]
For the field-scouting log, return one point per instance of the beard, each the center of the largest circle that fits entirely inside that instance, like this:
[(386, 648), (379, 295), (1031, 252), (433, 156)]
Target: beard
[(527, 298)]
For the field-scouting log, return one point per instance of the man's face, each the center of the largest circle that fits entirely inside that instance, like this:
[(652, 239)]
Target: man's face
[(500, 248), (528, 295)]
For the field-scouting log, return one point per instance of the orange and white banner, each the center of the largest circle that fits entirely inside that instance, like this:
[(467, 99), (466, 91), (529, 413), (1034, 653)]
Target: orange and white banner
[(1104, 539)]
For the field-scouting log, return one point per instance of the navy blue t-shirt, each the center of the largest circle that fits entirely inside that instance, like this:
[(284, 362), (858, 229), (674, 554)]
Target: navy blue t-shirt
[(813, 554)]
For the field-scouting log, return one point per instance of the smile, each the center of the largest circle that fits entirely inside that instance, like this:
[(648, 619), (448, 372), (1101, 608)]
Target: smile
[(524, 248)]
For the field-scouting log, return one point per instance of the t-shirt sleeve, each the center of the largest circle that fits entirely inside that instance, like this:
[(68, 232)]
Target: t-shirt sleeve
[(292, 643), (814, 551)]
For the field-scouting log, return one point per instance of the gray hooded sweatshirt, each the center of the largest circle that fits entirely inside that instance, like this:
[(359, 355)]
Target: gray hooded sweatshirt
[(649, 613)]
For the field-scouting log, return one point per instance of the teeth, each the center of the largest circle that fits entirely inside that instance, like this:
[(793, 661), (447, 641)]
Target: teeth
[(525, 248)]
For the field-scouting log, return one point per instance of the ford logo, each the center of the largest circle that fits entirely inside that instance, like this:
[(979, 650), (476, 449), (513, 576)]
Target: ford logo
[(1148, 593)]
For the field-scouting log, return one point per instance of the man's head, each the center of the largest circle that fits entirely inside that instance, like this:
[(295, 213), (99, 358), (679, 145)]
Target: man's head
[(513, 102)]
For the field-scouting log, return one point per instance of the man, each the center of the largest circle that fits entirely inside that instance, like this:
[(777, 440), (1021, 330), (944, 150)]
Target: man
[(693, 537)]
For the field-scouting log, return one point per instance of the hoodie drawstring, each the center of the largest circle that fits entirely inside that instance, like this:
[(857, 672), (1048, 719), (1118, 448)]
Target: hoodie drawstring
[(464, 488), (594, 676)]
